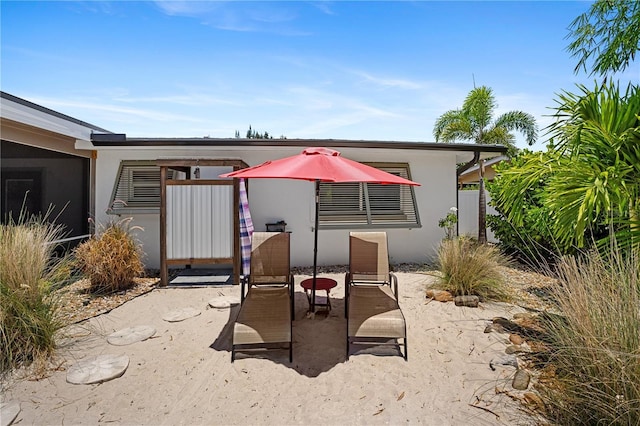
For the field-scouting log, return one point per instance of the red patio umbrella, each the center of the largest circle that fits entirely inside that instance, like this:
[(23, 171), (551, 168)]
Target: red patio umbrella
[(319, 165)]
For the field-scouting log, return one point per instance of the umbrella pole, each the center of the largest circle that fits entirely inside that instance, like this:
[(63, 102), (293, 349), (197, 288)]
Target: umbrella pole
[(315, 249)]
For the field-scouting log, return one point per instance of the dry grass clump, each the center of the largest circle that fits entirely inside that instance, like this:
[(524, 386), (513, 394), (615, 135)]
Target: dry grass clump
[(596, 343), (29, 274), (112, 258), (469, 268)]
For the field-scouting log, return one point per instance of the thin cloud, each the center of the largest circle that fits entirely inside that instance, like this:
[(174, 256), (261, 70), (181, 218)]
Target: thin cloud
[(188, 8), (101, 107), (191, 100), (276, 18), (388, 82), (327, 114), (324, 7)]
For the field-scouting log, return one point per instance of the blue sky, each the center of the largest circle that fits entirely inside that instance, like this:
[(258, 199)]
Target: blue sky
[(353, 70)]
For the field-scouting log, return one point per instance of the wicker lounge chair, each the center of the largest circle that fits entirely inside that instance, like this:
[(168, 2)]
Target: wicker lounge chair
[(371, 292), (266, 310)]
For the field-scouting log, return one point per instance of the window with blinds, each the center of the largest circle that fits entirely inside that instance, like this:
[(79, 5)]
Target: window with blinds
[(369, 205), (137, 188)]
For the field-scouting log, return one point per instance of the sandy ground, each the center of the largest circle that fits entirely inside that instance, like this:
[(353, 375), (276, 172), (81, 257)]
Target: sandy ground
[(184, 374)]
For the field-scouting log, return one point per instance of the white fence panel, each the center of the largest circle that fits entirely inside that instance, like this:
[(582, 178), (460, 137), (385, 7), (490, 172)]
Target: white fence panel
[(199, 221), (468, 214), (213, 221), (178, 222)]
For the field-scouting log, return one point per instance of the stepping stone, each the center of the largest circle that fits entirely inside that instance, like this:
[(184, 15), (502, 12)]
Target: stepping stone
[(8, 412), (181, 314), (222, 302), (98, 369), (130, 335)]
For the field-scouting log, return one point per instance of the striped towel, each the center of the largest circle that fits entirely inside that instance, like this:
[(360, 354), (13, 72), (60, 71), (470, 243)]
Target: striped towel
[(246, 229)]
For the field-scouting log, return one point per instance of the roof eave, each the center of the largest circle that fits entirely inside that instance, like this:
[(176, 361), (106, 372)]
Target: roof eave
[(121, 140), (35, 107)]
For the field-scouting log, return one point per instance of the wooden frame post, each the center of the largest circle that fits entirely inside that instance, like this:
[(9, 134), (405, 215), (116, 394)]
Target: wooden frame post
[(164, 268)]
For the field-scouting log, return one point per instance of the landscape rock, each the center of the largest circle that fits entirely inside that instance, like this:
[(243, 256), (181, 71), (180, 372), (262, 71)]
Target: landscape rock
[(469, 301), (516, 339), (439, 295), (504, 360), (521, 380), (513, 349)]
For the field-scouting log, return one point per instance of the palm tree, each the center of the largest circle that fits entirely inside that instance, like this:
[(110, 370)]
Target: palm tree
[(591, 173), (598, 132), (473, 122)]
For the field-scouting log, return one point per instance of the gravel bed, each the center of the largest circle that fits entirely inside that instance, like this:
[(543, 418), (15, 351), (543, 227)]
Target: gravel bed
[(531, 290), (77, 303)]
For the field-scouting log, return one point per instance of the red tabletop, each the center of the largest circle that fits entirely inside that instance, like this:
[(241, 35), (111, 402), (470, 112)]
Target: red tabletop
[(321, 283)]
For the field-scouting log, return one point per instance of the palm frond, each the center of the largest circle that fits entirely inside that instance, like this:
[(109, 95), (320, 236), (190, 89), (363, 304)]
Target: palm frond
[(451, 126), (479, 106), (519, 121)]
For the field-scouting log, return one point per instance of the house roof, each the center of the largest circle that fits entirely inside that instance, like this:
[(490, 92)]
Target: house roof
[(488, 163), (121, 140), (25, 112), (470, 176)]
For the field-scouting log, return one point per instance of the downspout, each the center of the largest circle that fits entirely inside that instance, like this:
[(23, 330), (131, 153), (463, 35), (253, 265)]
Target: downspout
[(461, 169), (466, 166)]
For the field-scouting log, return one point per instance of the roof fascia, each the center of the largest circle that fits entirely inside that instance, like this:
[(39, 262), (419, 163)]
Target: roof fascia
[(121, 140), (28, 113)]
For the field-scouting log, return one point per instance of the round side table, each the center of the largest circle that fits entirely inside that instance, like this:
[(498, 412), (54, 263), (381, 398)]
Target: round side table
[(325, 284)]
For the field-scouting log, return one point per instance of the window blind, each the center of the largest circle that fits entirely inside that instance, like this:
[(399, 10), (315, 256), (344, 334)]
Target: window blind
[(137, 188), (369, 205)]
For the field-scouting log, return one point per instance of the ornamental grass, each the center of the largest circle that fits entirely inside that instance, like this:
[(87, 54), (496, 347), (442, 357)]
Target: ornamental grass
[(469, 268), (596, 342), (30, 272), (112, 258)]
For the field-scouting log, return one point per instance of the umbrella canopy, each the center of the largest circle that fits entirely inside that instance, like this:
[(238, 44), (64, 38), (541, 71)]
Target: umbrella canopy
[(323, 164), (319, 165)]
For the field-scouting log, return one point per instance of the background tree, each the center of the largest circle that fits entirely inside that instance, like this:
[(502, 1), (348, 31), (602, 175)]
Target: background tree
[(599, 132), (474, 122), (523, 223), (253, 134), (607, 35), (591, 177)]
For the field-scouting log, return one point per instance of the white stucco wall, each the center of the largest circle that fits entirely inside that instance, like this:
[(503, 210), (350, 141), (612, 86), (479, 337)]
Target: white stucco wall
[(293, 201), (468, 214)]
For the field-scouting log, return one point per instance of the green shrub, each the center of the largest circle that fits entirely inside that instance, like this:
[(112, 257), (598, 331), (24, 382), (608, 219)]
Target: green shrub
[(524, 223), (469, 268), (112, 258), (29, 274), (596, 342)]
